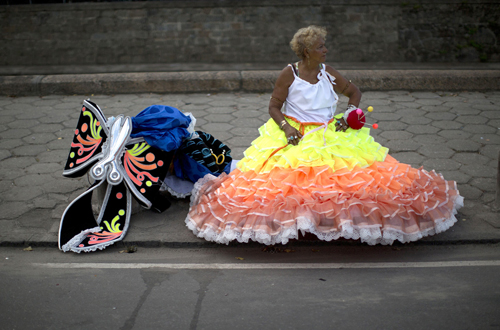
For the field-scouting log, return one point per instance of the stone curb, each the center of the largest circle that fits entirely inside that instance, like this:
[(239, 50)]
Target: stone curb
[(239, 81), (206, 244)]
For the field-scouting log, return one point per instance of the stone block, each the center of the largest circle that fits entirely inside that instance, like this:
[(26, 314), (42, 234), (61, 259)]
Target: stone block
[(247, 113), (454, 134), (53, 156), (425, 95), (43, 168), (427, 101), (59, 144), (440, 164), (16, 163), (390, 125), (39, 138), (45, 102), (385, 116), (5, 120), (12, 209), (493, 218), (372, 95), (486, 107), (484, 184), (217, 127), (63, 186), (411, 105), (402, 145), (245, 131), (466, 111), (37, 219), (479, 171), (15, 133), (163, 82), (23, 194), (429, 139), (457, 176), (490, 151), (32, 115), (411, 112), (434, 108), (416, 120), (240, 141), (485, 129), (463, 145), (436, 151), (402, 98), (446, 124), (469, 192), (259, 81), (470, 158), (4, 154), (422, 129), (486, 138), (474, 120), (23, 123), (219, 118), (495, 123), (56, 118), (396, 135), (379, 103), (494, 114), (411, 158)]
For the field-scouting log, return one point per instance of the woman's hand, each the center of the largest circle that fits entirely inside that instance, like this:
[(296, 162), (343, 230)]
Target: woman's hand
[(341, 125), (293, 136)]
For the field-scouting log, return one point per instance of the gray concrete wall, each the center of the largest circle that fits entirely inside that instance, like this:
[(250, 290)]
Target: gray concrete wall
[(253, 31)]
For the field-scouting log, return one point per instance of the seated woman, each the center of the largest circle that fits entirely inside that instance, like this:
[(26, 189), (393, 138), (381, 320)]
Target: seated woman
[(309, 171)]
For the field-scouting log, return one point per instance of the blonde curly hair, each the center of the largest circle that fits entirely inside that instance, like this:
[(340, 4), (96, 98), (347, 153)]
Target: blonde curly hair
[(305, 38)]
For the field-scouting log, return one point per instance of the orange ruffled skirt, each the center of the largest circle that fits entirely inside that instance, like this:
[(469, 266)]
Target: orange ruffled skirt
[(333, 185)]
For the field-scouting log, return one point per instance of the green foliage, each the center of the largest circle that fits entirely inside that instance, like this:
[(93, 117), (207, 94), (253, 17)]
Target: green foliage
[(475, 45), (473, 31)]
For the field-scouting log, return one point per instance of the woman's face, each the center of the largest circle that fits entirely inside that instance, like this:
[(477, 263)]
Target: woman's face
[(318, 51)]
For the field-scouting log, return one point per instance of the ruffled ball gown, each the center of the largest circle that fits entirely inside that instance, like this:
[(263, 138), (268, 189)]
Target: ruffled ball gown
[(333, 184)]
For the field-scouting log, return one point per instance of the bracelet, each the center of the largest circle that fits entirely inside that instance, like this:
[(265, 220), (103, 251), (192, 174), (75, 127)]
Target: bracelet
[(276, 99), (346, 87), (350, 108), (283, 123)]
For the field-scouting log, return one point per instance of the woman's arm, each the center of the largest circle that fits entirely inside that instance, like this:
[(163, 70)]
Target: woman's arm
[(345, 87), (278, 97)]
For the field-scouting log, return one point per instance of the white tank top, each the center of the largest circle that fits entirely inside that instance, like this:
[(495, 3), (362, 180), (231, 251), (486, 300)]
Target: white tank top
[(312, 102)]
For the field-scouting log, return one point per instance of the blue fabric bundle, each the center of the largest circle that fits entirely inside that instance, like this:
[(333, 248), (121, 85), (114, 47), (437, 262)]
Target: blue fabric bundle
[(162, 127), (196, 158)]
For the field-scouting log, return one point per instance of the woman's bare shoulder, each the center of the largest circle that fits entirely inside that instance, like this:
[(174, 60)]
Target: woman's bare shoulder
[(286, 77), (332, 71)]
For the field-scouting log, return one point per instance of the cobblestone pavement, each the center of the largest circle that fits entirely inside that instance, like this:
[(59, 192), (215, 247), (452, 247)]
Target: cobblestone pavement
[(457, 134)]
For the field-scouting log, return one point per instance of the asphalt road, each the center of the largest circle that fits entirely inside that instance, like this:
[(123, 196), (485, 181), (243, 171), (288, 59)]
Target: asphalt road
[(250, 287)]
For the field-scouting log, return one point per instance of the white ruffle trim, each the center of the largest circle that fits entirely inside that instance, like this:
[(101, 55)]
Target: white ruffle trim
[(75, 241), (72, 245), (174, 193), (370, 235), (196, 193)]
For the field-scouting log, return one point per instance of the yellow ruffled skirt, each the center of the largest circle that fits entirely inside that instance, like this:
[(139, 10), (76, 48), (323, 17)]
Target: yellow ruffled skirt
[(333, 185)]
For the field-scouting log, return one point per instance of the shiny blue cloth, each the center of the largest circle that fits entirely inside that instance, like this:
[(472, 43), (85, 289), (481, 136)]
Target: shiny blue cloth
[(187, 168), (162, 127)]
